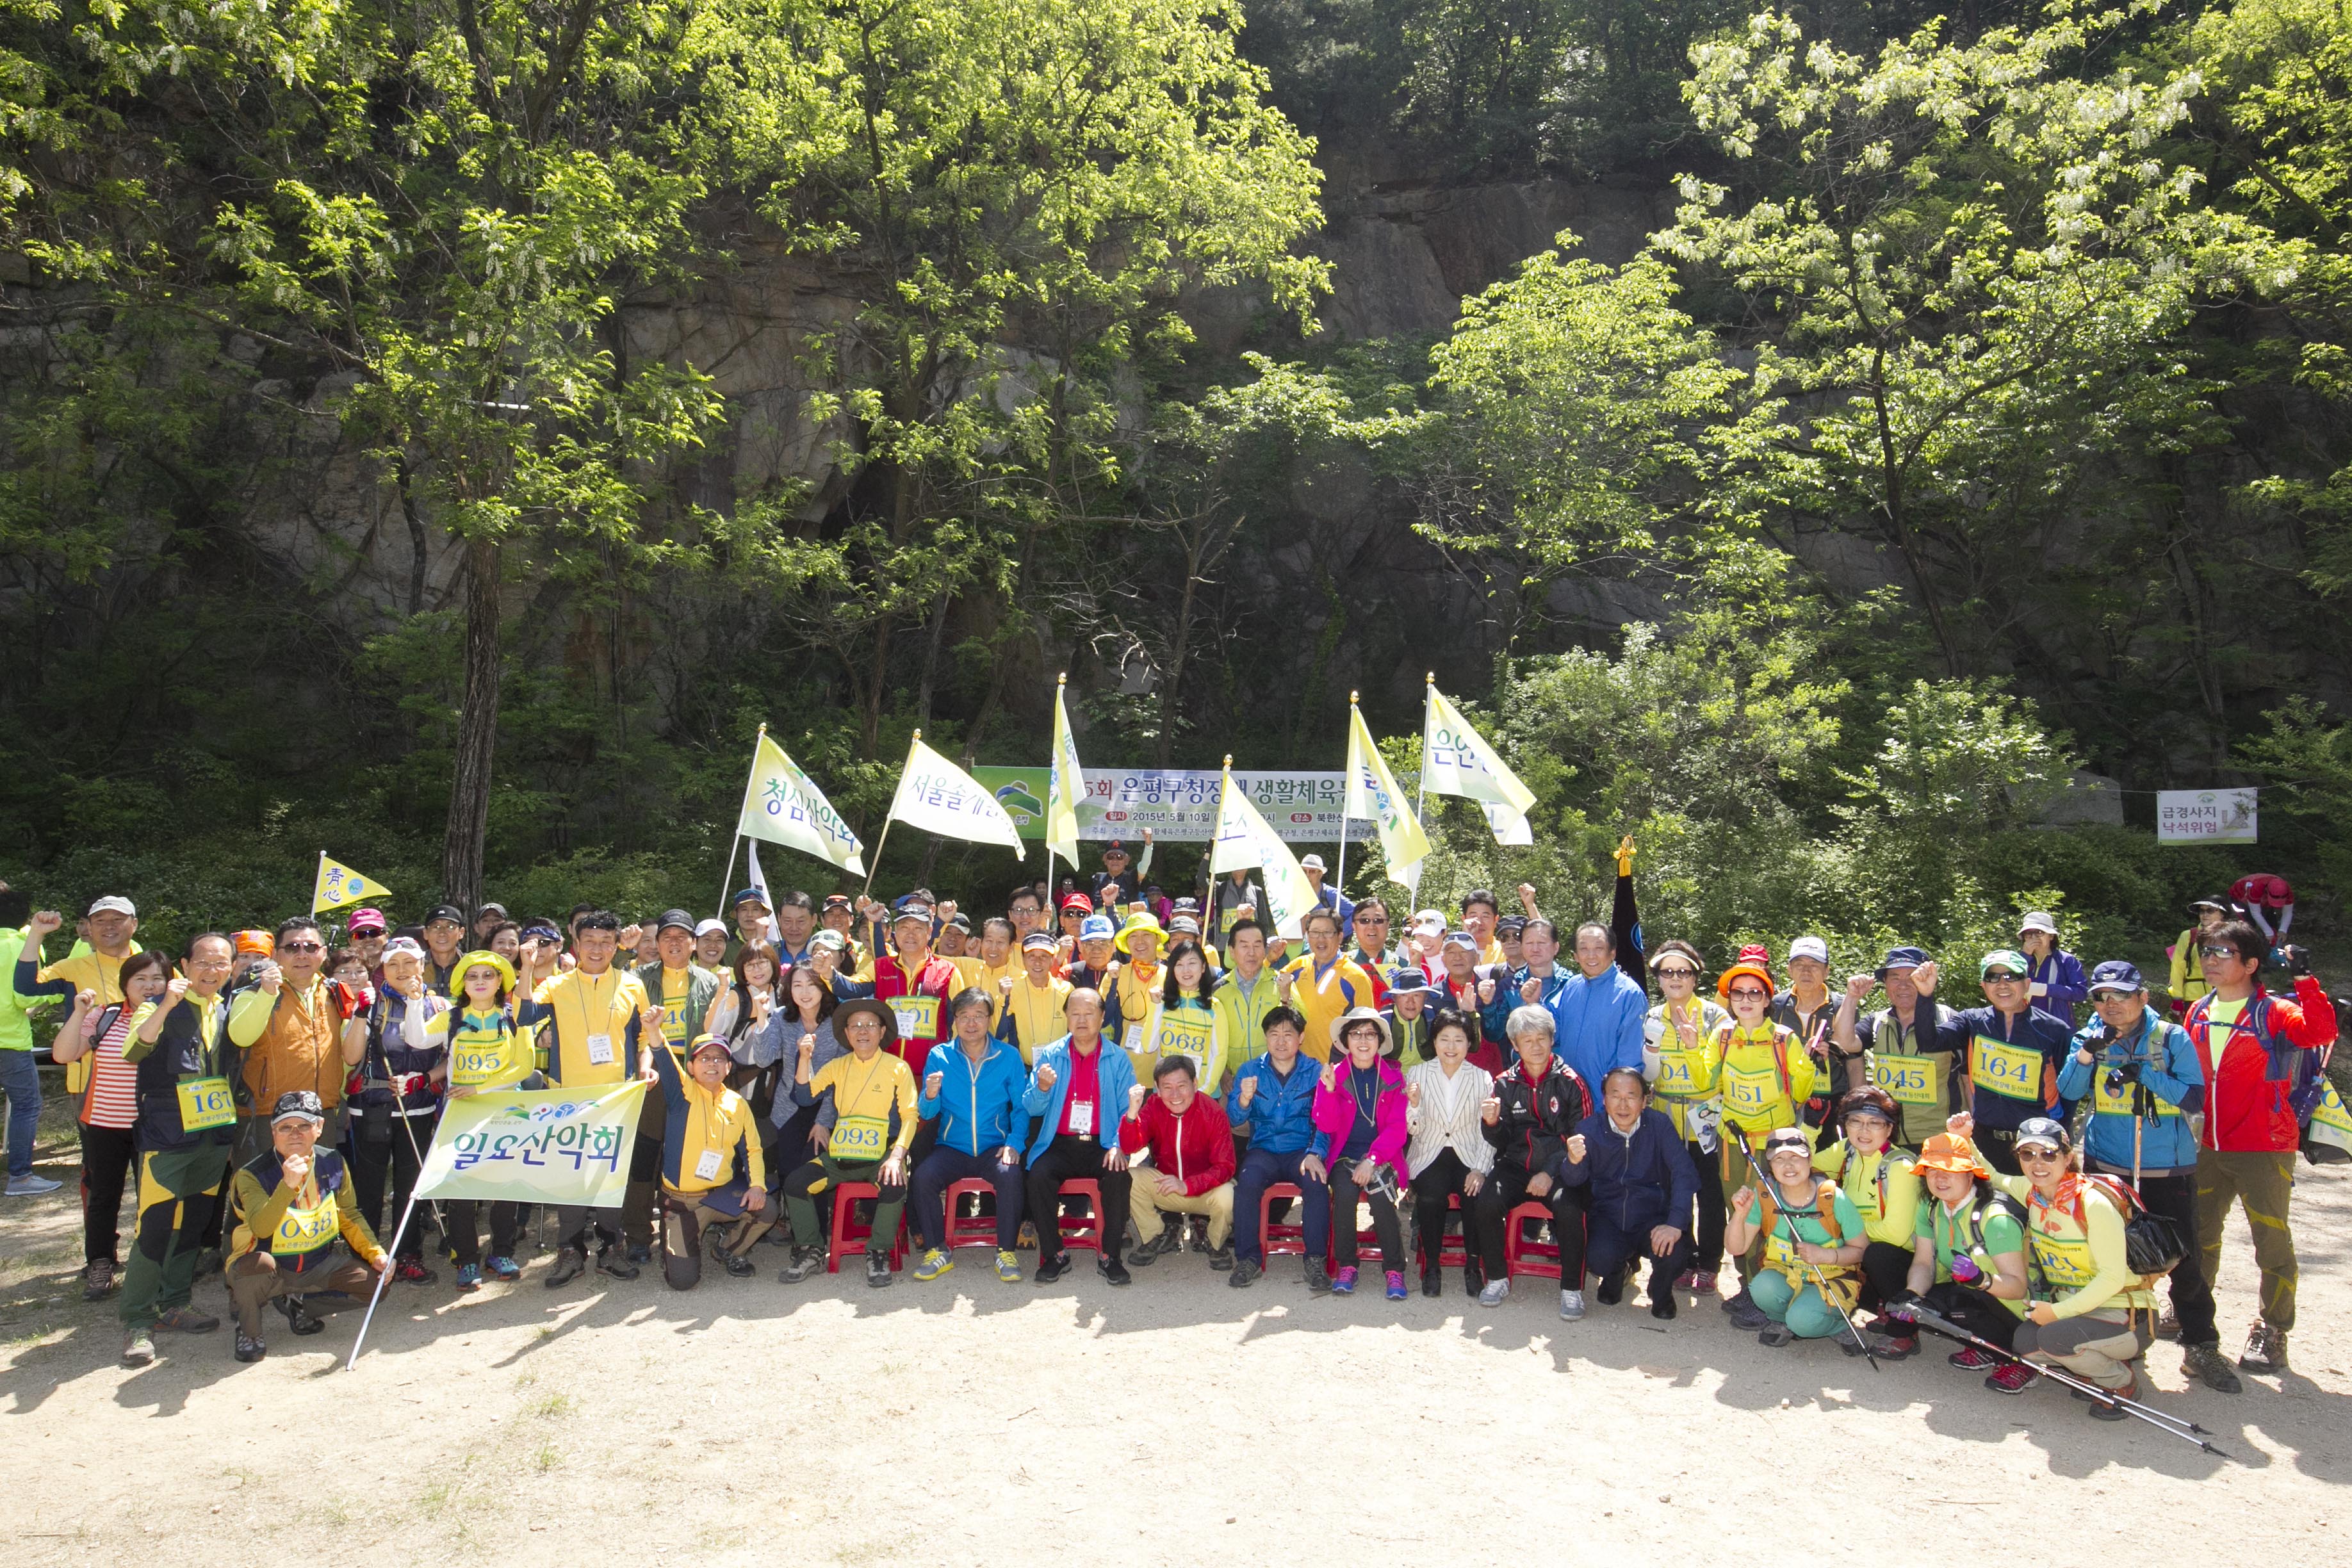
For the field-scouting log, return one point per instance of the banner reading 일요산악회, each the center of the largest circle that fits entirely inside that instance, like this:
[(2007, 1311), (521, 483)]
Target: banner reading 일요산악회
[(1178, 805), (2205, 816), (538, 1146)]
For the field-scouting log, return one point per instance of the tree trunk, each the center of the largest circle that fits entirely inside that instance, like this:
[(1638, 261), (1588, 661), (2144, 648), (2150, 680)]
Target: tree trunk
[(416, 539), (1164, 748), (930, 681), (478, 732)]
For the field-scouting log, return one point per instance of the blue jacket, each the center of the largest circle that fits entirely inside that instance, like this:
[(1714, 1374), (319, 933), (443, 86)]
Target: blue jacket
[(977, 1111), (1636, 1180), (1115, 1076), (2168, 1070), (1280, 1119), (2064, 986), (1495, 1014), (2035, 1031), (1599, 1024)]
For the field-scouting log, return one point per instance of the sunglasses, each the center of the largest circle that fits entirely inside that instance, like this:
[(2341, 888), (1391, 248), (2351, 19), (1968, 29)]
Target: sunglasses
[(1675, 973), (1751, 991), (2037, 1155), (2002, 977), (2217, 953), (301, 947)]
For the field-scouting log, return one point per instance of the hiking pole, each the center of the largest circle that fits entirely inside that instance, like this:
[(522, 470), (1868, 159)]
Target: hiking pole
[(2178, 1427), (1821, 1284)]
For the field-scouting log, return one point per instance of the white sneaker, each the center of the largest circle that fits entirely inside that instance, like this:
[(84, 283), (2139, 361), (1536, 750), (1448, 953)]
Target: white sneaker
[(1492, 1296), (29, 1185), (1571, 1305)]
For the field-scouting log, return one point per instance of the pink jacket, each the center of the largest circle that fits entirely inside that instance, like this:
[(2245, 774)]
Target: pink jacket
[(1335, 1115)]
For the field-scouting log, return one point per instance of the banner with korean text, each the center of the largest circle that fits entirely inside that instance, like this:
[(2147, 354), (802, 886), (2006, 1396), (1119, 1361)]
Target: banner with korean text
[(1178, 805), (542, 1146)]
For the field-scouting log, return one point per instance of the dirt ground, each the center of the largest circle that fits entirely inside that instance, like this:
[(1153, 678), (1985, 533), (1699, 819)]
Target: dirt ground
[(1175, 1420)]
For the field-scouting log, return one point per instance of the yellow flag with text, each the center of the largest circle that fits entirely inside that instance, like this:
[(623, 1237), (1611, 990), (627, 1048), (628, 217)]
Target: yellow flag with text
[(1372, 792), (339, 885)]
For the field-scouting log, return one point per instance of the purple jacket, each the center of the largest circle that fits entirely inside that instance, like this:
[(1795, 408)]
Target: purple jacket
[(1335, 1114)]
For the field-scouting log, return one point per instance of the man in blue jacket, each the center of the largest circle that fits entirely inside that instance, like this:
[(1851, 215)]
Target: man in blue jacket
[(2141, 1075), (1598, 1015), (2011, 1051), (973, 1085), (1274, 1097), (1077, 1093), (1537, 981), (1640, 1182)]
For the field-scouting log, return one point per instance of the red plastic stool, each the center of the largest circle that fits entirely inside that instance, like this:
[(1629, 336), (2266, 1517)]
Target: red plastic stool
[(849, 1237), (1080, 1230), (975, 1229), (1521, 1256), (1453, 1250), (1281, 1240)]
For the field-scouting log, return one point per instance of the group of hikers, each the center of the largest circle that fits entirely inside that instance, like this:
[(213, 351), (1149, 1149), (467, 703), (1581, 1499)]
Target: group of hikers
[(1130, 1075)]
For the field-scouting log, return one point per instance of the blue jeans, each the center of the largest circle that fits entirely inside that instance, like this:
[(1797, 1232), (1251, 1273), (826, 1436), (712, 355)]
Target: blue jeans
[(20, 1080), (1261, 1169)]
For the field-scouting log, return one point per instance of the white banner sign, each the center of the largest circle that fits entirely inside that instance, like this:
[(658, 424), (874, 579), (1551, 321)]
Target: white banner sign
[(2205, 817), (1178, 805)]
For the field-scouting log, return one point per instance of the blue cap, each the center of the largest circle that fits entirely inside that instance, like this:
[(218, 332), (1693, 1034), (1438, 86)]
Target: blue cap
[(1097, 928), (1902, 958), (748, 896), (2115, 974), (1409, 978)]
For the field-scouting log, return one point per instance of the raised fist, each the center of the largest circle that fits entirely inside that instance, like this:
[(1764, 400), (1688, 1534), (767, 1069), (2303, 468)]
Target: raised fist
[(1576, 1148), (176, 988), (1134, 1099), (1531, 990), (1858, 986), (1490, 1110), (932, 1084), (45, 921), (1047, 1081), (1249, 1090)]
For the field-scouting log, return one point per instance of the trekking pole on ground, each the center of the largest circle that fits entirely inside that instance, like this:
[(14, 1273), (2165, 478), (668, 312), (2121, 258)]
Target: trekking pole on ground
[(380, 1280), (1764, 1173), (2179, 1426)]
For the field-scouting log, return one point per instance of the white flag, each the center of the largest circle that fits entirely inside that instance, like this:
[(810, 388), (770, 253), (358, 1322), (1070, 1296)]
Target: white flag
[(780, 805), (1065, 789), (1456, 760), (1372, 792), (759, 878), (939, 798), (1245, 841), (1508, 826)]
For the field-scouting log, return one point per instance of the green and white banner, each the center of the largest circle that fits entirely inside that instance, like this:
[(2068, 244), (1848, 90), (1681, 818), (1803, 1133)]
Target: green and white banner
[(542, 1146)]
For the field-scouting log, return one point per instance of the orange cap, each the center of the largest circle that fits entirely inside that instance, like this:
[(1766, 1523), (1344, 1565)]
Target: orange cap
[(1951, 1151), (1723, 984), (259, 942)]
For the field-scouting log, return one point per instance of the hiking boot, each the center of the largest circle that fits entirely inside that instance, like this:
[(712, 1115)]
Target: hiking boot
[(1169, 1239), (137, 1347), (1895, 1347), (1968, 1358), (1197, 1234), (934, 1264), (249, 1349), (1397, 1292), (2168, 1324), (1319, 1278), (1052, 1269), (1775, 1334), (621, 1266), (1704, 1282), (1849, 1342), (1221, 1258), (740, 1268), (1112, 1269), (1735, 1305), (412, 1271), (97, 1280), (2013, 1377), (1750, 1316), (1571, 1306), (298, 1316), (2266, 1349), (806, 1260), (2205, 1363), (1493, 1292), (1611, 1289), (1343, 1280), (1686, 1280), (1028, 1236), (877, 1270), (469, 1277), (1008, 1267), (569, 1263), (502, 1267), (1244, 1274), (2103, 1410), (185, 1320)]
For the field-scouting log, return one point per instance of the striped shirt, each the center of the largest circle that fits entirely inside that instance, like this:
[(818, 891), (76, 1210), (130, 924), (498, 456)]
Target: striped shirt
[(113, 1096), (1448, 1116)]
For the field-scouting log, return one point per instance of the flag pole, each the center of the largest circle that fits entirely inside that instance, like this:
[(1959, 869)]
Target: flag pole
[(1421, 784), (736, 843), (876, 864), (315, 877), (1340, 877)]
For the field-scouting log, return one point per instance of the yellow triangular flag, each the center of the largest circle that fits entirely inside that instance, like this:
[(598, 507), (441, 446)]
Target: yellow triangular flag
[(1066, 786), (1372, 792), (339, 885)]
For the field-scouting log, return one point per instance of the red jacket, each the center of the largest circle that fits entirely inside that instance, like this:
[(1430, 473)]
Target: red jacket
[(936, 980), (2246, 1089), (1196, 1148)]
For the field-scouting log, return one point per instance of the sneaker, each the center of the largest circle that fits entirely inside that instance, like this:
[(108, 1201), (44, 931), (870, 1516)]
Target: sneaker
[(2266, 1349), (2013, 1377), (1433, 1282), (569, 1263), (298, 1316), (1169, 1239), (622, 1266), (97, 1280), (1968, 1358), (469, 1277), (1750, 1316), (29, 1185), (1493, 1292), (1895, 1347), (1397, 1292), (249, 1349), (2205, 1363), (209, 1263), (1662, 1304), (412, 1271), (934, 1264), (1343, 1281), (740, 1268), (2168, 1324), (1319, 1278), (1612, 1289), (1221, 1258), (1112, 1270), (185, 1320), (1052, 1269), (502, 1267), (1008, 1267), (877, 1270), (1738, 1303), (137, 1347), (1704, 1282), (1244, 1274), (1775, 1334), (1686, 1280), (806, 1260), (1849, 1342), (1571, 1306), (2103, 1410)]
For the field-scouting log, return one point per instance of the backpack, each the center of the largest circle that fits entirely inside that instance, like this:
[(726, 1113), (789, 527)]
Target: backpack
[(2152, 1243)]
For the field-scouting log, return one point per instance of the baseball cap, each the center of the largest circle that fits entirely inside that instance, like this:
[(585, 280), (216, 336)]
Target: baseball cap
[(370, 920), (260, 942), (830, 941), (1428, 922), (1460, 939), (299, 1105), (1080, 902), (450, 912), (1511, 925), (707, 1042), (1039, 939), (1311, 863), (959, 921), (491, 907), (1097, 927), (114, 904), (1902, 958), (2044, 1132), (2115, 974), (838, 901), (912, 910), (1810, 947), (2007, 958), (707, 927), (407, 945), (678, 918), (1787, 1137), (1115, 846), (748, 896), (1184, 923), (2037, 920)]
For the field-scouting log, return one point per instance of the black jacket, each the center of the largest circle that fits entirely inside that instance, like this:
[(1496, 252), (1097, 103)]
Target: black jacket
[(1532, 1133)]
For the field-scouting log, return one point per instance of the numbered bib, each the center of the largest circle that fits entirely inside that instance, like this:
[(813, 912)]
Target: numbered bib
[(471, 1067), (2065, 1264), (305, 1230), (859, 1138), (1679, 1072), (917, 1017), (1183, 1036), (205, 1103), (1907, 1080), (2014, 1073), (600, 1050), (705, 1166), (1750, 1092), (2121, 1104)]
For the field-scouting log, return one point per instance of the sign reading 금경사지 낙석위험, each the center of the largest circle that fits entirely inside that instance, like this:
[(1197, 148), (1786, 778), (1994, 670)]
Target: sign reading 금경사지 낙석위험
[(1178, 805), (2205, 816)]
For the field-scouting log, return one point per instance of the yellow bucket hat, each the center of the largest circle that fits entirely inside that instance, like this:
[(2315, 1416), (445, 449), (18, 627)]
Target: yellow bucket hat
[(1136, 923)]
